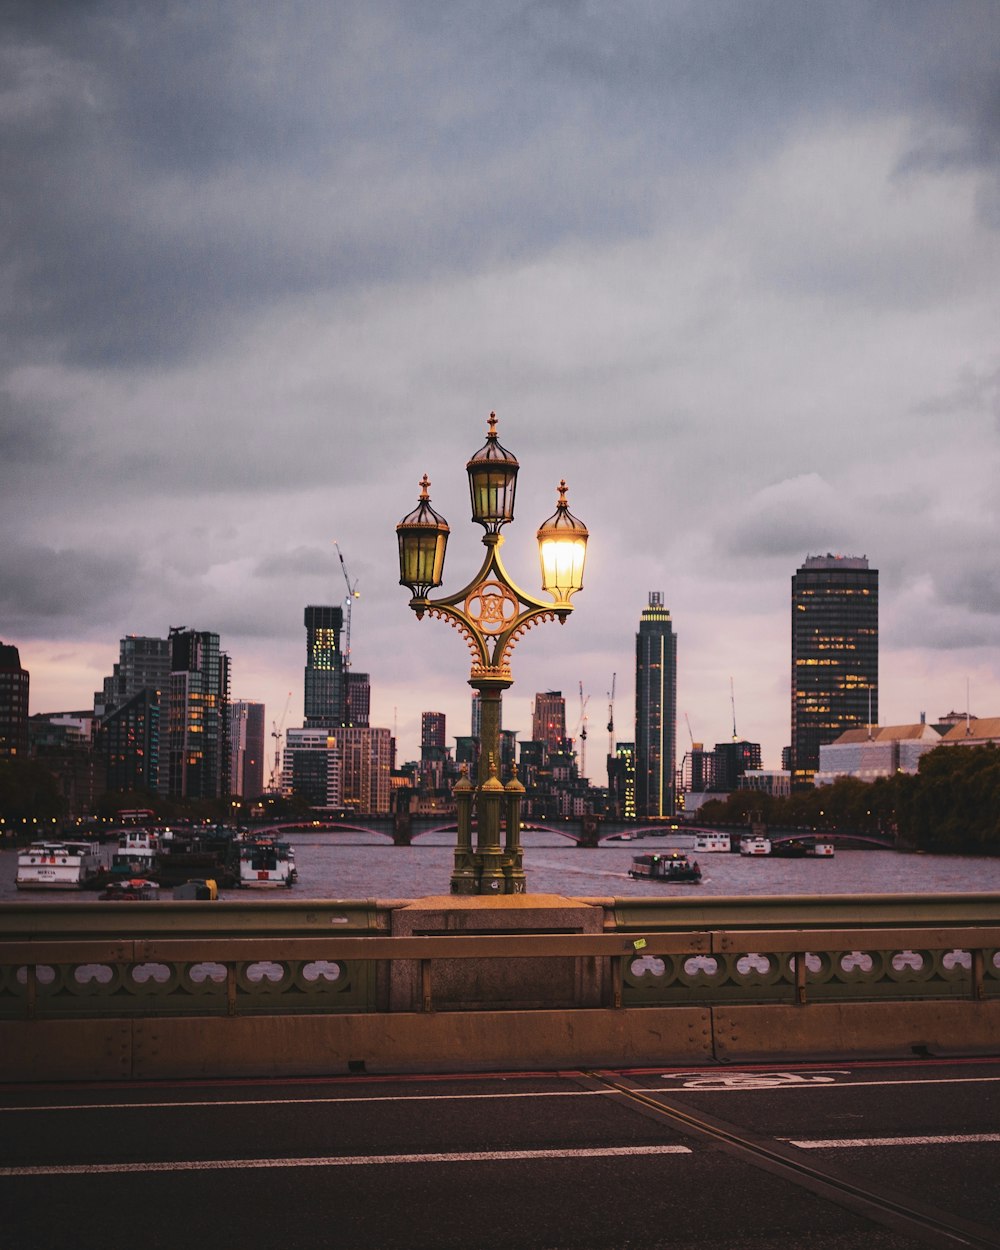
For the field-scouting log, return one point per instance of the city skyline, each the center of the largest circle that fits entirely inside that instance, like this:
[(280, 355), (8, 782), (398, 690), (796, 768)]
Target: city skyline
[(732, 271)]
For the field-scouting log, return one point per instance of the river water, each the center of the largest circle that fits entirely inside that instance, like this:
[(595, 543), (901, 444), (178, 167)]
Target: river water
[(361, 866)]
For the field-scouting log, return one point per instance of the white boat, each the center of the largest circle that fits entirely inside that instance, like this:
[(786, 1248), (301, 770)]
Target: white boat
[(57, 865), (136, 853), (266, 862), (712, 842), (822, 850), (755, 846)]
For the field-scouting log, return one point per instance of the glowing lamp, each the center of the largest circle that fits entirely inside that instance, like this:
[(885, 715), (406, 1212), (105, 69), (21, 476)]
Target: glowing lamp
[(562, 548)]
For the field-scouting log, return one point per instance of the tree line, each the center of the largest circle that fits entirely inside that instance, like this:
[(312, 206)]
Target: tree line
[(951, 804)]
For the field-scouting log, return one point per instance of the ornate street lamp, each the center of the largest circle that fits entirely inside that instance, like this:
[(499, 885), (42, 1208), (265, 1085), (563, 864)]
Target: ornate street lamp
[(491, 613)]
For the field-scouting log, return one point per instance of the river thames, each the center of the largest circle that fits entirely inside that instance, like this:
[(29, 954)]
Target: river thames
[(361, 866)]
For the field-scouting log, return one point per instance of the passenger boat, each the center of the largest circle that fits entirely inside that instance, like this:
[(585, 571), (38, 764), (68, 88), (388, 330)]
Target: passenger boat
[(822, 850), (131, 890), (266, 862), (791, 848), (199, 854), (711, 842), (668, 866), (57, 865), (755, 845), (136, 853)]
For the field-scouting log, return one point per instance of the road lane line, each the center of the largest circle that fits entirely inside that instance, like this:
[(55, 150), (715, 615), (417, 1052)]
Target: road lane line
[(847, 1143), (554, 1093), (299, 1102), (339, 1161)]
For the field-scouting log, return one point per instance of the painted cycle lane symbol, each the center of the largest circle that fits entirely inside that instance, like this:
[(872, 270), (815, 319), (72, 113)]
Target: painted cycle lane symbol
[(752, 1080)]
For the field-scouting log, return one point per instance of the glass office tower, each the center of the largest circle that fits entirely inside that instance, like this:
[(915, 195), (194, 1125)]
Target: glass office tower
[(834, 655)]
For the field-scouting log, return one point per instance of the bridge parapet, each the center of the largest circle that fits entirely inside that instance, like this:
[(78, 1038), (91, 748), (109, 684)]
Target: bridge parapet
[(147, 991)]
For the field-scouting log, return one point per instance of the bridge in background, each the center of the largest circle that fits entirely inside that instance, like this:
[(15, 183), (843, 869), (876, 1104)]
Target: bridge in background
[(586, 831)]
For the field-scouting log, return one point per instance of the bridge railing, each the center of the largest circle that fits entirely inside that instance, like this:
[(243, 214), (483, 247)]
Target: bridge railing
[(216, 989)]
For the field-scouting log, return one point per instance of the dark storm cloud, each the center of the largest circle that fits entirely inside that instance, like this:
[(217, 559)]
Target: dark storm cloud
[(177, 162), (46, 590)]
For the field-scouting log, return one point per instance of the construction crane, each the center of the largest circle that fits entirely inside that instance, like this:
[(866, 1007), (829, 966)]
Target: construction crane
[(611, 716), (352, 594), (581, 727), (690, 734), (732, 700), (277, 733)]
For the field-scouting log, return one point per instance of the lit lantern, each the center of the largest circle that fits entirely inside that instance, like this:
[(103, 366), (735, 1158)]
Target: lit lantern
[(562, 548)]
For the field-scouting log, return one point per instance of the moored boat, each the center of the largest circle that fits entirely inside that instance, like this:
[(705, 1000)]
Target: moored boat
[(51, 865), (266, 862), (136, 853), (822, 850), (712, 842), (668, 866), (755, 845)]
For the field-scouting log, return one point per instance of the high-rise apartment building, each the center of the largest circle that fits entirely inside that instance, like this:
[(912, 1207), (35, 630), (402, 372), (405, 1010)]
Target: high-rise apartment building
[(197, 716), (655, 711), (433, 750), (127, 745), (129, 717), (325, 695), (246, 746), (834, 655), (143, 664), (548, 720), (14, 682), (358, 699)]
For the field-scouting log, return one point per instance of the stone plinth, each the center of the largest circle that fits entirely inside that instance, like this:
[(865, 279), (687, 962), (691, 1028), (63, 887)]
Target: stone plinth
[(510, 984)]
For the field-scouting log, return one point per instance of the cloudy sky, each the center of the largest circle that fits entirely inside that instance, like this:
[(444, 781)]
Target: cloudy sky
[(732, 269)]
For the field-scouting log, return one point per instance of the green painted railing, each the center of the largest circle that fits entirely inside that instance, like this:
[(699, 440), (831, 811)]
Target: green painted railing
[(169, 959)]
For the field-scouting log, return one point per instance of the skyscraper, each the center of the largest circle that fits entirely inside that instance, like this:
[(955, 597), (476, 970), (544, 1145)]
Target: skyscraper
[(130, 719), (13, 703), (548, 720), (655, 711), (325, 696), (197, 720), (246, 745), (834, 655), (143, 664)]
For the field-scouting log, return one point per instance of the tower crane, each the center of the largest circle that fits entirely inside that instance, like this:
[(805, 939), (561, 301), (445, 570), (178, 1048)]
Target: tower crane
[(581, 727), (352, 594), (277, 733), (611, 716), (690, 734), (732, 700)]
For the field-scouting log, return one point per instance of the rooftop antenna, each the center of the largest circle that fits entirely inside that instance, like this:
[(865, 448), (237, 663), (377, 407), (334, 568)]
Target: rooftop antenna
[(968, 717)]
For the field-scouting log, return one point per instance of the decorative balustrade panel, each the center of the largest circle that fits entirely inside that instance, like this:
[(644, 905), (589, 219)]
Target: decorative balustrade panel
[(731, 977), (185, 987)]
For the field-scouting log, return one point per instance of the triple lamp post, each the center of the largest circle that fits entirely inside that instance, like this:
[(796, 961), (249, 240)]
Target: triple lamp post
[(492, 613)]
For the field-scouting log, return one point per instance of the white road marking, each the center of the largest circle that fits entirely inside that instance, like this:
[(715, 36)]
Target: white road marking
[(296, 1102), (339, 1161), (735, 1084), (848, 1143), (698, 1085)]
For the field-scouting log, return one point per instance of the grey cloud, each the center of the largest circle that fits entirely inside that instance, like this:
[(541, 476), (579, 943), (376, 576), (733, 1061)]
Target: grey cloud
[(44, 589), (358, 146)]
